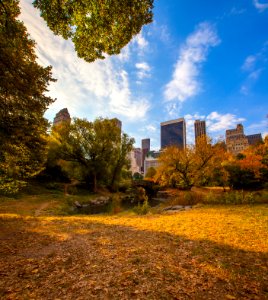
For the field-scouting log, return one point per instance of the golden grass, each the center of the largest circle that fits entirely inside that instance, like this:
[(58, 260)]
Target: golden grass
[(210, 252)]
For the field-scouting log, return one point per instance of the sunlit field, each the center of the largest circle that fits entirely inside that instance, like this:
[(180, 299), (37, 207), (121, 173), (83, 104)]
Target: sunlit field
[(209, 252)]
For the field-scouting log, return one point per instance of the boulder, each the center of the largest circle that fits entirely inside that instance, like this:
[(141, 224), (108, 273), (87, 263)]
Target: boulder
[(177, 208)]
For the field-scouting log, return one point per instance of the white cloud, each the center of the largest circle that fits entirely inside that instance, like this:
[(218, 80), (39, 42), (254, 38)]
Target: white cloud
[(173, 109), (253, 67), (124, 54), (184, 83), (160, 32), (220, 122), (151, 128), (140, 44), (87, 89), (237, 11), (143, 66), (216, 124), (143, 70), (141, 41), (249, 63), (260, 6), (244, 89)]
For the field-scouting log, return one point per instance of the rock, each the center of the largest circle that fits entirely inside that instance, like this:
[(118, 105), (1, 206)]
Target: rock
[(100, 200), (187, 207), (77, 204), (177, 208)]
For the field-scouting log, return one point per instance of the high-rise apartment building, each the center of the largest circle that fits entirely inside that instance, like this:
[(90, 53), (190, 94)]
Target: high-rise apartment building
[(236, 141), (145, 148), (62, 116), (199, 129), (173, 133), (254, 139)]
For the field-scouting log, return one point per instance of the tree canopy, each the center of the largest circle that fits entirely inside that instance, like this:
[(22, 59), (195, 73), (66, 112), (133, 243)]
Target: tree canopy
[(97, 148), (185, 167), (23, 83), (96, 27)]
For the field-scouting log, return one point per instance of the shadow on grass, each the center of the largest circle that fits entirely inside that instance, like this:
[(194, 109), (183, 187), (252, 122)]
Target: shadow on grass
[(67, 258)]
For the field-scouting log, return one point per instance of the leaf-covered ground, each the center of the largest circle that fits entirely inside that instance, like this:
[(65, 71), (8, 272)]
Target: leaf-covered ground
[(206, 253)]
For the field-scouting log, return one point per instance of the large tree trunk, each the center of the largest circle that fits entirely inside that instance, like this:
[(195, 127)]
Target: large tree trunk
[(115, 176)]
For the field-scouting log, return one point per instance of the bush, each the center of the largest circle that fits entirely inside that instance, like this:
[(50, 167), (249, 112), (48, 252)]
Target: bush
[(142, 209), (211, 198), (234, 197), (10, 187)]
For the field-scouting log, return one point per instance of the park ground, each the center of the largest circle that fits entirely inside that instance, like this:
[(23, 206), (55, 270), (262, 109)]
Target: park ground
[(209, 252)]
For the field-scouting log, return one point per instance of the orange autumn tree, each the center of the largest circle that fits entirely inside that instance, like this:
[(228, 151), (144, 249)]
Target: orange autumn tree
[(185, 167), (249, 169), (251, 161), (255, 158)]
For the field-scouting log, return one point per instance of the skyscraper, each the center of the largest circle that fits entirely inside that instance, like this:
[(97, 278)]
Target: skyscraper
[(62, 116), (145, 148), (199, 129), (173, 133)]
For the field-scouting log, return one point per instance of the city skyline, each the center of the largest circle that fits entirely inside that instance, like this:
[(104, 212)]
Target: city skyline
[(197, 60)]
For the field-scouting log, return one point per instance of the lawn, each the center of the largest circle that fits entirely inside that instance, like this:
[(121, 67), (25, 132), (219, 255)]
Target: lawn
[(209, 252)]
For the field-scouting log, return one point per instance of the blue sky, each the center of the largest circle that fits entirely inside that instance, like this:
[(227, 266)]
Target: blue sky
[(198, 60)]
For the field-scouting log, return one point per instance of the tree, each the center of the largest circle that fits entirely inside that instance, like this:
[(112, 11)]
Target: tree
[(23, 83), (120, 159), (249, 169), (150, 172), (217, 174), (97, 148), (185, 167), (96, 27), (176, 167)]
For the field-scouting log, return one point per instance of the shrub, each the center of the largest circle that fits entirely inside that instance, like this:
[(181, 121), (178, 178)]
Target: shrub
[(234, 197), (142, 209), (10, 187), (249, 198), (211, 198)]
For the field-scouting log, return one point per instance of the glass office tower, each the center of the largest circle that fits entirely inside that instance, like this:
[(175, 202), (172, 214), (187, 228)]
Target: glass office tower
[(173, 133)]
